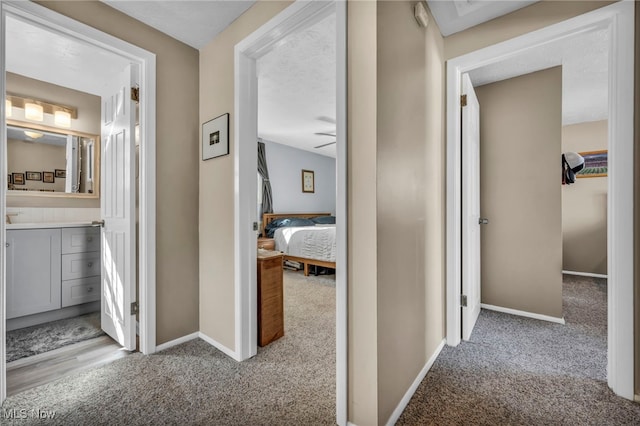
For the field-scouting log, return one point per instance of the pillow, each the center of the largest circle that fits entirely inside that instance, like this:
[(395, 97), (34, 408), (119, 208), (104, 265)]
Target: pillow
[(270, 229), (324, 220)]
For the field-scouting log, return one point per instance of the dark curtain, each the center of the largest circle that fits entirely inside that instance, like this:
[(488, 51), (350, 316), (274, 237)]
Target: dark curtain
[(267, 200)]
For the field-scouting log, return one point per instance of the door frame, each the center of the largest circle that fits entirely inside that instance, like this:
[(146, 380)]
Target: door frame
[(619, 18), (300, 14), (46, 18)]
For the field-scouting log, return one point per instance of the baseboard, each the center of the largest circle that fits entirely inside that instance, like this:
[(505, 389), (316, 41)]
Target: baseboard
[(523, 313), (414, 386), (585, 274), (636, 398), (178, 341), (222, 348)]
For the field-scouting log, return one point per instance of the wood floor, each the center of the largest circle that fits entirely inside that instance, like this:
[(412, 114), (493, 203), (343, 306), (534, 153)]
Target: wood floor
[(37, 370)]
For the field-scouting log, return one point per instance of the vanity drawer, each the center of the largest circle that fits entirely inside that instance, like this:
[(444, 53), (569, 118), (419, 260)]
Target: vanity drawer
[(80, 265), (79, 240), (84, 290)]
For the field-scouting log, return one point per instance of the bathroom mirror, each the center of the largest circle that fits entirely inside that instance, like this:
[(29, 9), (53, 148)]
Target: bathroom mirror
[(49, 161)]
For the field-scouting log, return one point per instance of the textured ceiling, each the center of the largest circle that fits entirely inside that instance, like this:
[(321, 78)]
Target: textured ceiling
[(43, 55), (194, 23), (458, 15), (297, 89), (584, 59)]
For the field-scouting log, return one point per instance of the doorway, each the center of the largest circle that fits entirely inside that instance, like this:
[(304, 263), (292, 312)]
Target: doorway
[(299, 15), (619, 19), (66, 27)]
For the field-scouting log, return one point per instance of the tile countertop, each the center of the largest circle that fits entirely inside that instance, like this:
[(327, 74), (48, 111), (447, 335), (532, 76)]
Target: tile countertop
[(46, 225)]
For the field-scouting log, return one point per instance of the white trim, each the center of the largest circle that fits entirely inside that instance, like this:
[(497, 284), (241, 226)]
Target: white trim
[(351, 424), (146, 60), (584, 274), (414, 386), (523, 313), (219, 346), (3, 212), (619, 17), (178, 341), (299, 14)]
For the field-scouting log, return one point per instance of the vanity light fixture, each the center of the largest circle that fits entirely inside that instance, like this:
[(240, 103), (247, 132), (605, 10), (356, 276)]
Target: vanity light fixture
[(62, 118), (33, 111), (33, 135), (8, 106)]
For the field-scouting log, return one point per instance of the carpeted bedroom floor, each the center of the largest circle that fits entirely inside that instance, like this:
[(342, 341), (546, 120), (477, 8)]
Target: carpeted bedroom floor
[(520, 371), (290, 381)]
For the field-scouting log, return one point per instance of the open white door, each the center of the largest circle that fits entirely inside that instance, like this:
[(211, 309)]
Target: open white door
[(117, 205), (470, 208)]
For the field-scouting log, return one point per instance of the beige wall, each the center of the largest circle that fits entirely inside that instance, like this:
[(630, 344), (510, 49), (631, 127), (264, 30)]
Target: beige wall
[(177, 156), (362, 238), (88, 121), (584, 205), (409, 199), (520, 187), (217, 315)]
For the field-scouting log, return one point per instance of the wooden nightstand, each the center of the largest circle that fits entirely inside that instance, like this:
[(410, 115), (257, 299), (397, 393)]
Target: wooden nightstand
[(266, 243), (270, 297)]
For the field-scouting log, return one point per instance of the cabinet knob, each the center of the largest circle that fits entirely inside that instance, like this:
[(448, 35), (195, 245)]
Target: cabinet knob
[(90, 264), (89, 290), (7, 245)]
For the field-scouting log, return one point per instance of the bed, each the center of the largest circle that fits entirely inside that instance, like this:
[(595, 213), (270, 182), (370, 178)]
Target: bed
[(310, 245)]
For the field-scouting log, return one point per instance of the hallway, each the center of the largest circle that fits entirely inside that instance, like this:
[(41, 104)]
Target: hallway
[(517, 370)]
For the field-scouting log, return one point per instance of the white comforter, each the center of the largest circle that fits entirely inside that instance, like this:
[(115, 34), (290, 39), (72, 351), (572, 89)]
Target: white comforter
[(313, 242)]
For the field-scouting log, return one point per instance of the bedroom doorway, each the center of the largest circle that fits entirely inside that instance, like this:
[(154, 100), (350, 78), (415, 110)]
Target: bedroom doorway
[(67, 28), (618, 19), (298, 16)]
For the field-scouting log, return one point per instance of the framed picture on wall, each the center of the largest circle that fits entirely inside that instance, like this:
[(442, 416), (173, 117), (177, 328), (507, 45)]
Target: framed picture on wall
[(215, 137), (48, 177), (18, 178), (596, 164), (34, 175), (61, 173), (308, 184)]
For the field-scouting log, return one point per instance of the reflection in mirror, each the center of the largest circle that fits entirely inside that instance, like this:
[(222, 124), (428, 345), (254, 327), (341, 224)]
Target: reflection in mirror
[(50, 160)]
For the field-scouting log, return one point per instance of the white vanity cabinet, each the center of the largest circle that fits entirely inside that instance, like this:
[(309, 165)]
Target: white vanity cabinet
[(52, 268), (33, 271), (80, 265)]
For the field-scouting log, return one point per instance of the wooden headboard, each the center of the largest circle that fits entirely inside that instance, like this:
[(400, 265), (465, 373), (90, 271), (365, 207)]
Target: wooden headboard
[(267, 218)]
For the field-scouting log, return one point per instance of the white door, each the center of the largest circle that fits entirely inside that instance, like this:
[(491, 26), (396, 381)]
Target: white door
[(118, 211), (470, 208)]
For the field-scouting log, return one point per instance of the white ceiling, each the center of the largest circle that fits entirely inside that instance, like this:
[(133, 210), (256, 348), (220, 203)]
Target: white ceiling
[(297, 89), (454, 16), (584, 61), (194, 23), (47, 56)]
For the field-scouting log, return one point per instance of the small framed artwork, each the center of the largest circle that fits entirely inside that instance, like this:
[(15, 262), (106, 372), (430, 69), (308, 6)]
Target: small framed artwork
[(308, 184), (61, 173), (34, 175), (215, 137), (596, 164), (48, 177), (17, 178)]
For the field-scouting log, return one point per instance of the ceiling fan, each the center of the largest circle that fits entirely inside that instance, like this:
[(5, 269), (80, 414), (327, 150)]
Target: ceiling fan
[(332, 134)]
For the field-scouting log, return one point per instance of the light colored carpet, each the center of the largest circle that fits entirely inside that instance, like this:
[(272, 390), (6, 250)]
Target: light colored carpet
[(521, 371), (291, 381), (46, 337)]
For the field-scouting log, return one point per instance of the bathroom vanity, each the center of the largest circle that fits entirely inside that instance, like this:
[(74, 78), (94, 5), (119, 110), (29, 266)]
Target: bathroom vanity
[(53, 271)]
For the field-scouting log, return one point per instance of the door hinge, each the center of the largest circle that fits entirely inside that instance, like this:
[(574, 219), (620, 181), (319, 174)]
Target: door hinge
[(135, 308), (255, 226), (463, 100), (135, 94), (463, 300)]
